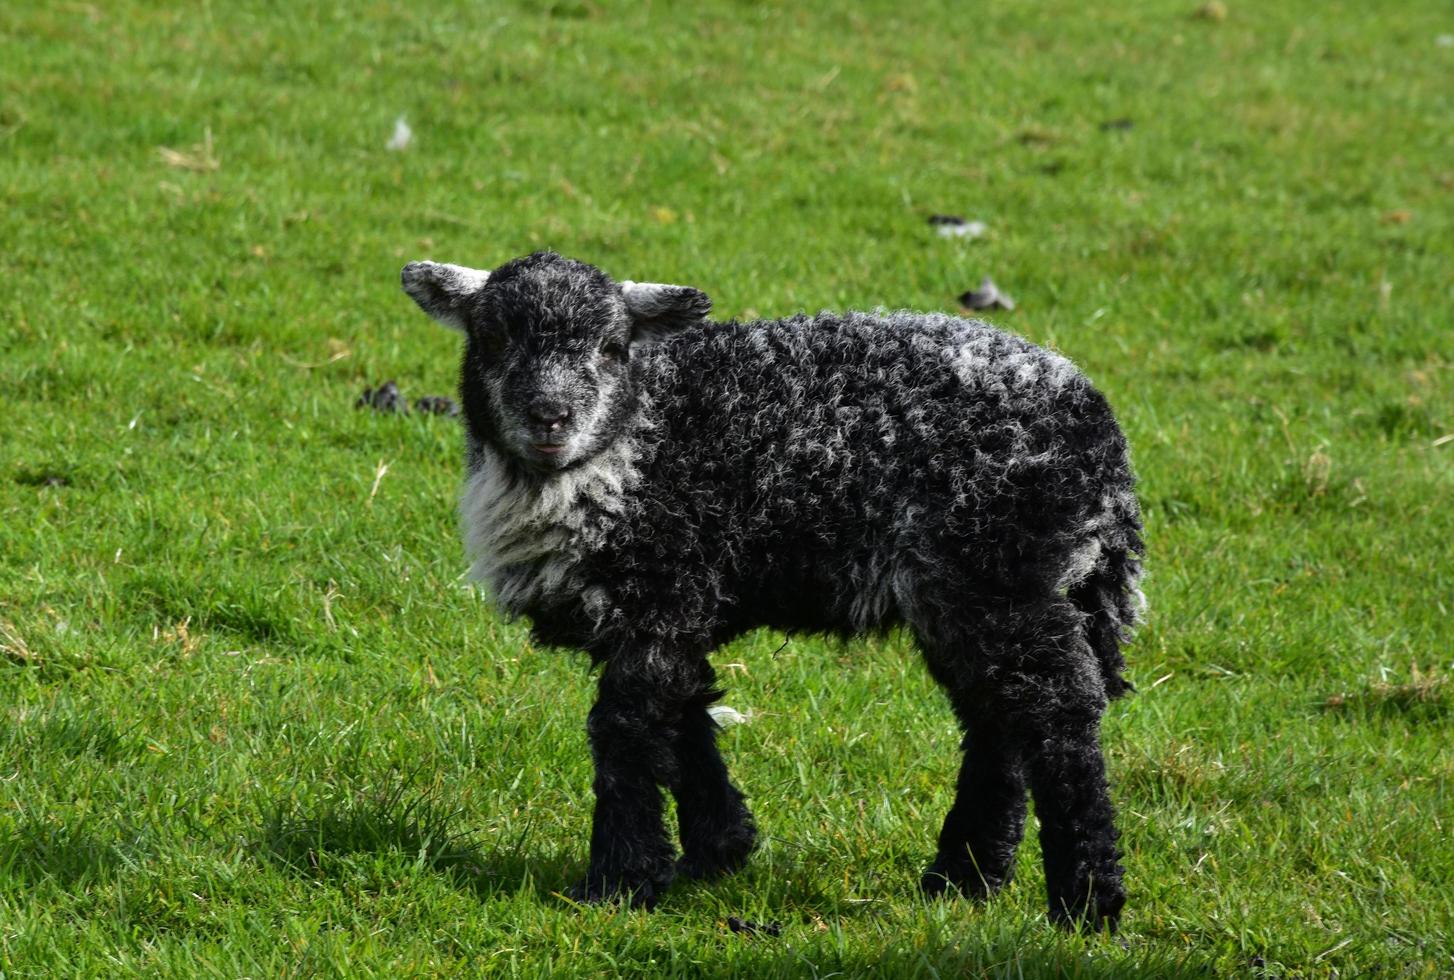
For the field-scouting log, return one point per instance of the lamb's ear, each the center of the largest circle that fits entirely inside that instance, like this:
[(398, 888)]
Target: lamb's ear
[(657, 310), (442, 290)]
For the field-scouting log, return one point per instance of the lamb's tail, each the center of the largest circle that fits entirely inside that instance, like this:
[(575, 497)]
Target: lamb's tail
[(1110, 595)]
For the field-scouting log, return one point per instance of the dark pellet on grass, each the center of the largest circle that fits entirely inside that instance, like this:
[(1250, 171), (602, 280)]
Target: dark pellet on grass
[(1122, 123), (385, 398), (953, 226), (436, 405), (987, 297), (747, 927)]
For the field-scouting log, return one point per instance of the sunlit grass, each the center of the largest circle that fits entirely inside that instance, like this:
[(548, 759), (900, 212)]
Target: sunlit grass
[(256, 723)]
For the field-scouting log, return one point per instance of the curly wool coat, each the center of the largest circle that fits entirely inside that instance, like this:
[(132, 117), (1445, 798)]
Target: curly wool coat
[(836, 474)]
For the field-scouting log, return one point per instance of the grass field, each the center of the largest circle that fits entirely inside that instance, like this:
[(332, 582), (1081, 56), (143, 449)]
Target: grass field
[(256, 723)]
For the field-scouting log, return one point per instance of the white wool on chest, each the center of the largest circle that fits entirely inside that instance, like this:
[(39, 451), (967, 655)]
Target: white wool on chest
[(526, 534)]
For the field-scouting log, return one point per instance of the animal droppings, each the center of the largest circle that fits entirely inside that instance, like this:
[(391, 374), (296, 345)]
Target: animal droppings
[(987, 297), (953, 226), (746, 927), (437, 405), (385, 398)]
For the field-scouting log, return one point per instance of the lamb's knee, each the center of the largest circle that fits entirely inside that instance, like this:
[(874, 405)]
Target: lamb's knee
[(620, 720), (638, 718)]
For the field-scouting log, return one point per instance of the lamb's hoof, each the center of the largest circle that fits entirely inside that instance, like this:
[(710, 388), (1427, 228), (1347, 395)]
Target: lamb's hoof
[(598, 890), (726, 855), (1099, 913), (705, 868), (944, 879)]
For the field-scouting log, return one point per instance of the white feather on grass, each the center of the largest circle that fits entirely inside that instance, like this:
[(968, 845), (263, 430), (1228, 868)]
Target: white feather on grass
[(403, 135), (724, 715)]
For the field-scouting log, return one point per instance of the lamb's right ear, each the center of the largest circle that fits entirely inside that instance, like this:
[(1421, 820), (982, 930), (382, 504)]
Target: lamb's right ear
[(443, 290), (657, 310)]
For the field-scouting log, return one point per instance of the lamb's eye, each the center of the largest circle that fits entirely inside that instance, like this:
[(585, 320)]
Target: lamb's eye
[(613, 352)]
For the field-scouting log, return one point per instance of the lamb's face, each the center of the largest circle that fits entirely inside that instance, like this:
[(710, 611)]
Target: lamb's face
[(547, 356), (546, 371)]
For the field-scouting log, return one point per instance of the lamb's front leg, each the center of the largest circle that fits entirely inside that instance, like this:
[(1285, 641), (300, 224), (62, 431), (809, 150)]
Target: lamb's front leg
[(633, 730), (716, 828)]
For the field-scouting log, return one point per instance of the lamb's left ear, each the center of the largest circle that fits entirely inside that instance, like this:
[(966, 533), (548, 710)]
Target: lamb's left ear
[(658, 310), (443, 290)]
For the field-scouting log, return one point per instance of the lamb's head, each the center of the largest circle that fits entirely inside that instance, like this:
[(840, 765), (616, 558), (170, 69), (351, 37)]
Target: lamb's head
[(548, 345)]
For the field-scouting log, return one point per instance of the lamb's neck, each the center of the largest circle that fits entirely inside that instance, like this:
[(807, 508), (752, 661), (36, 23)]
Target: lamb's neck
[(525, 531)]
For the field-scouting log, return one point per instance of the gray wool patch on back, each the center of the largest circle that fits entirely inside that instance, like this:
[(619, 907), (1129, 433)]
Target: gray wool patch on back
[(979, 362)]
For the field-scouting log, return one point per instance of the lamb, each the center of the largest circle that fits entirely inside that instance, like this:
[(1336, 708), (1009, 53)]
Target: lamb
[(645, 484)]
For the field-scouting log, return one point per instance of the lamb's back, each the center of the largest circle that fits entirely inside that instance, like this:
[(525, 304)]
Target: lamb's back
[(831, 418), (802, 472)]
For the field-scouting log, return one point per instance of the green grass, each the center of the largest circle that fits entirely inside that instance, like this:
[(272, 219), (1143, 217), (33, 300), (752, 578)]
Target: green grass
[(254, 722)]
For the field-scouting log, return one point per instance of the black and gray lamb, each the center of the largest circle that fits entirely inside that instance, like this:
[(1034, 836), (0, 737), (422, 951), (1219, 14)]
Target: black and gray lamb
[(646, 484)]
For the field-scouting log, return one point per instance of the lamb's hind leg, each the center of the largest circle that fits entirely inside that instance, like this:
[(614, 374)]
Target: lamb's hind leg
[(1050, 692), (977, 844), (717, 831)]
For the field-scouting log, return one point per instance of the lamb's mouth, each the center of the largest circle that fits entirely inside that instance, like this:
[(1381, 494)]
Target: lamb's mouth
[(547, 448)]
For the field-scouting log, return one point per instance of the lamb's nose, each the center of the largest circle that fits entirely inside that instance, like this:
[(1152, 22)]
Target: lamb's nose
[(552, 415)]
